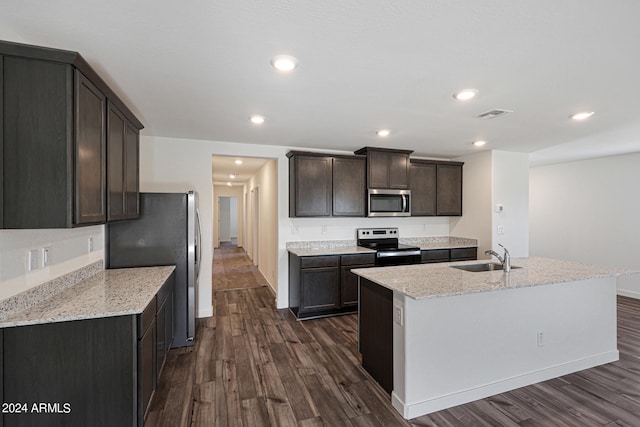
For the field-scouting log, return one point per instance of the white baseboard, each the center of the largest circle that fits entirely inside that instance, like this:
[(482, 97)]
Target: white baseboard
[(412, 410)]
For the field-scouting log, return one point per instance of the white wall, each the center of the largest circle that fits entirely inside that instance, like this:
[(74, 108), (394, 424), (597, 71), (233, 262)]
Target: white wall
[(510, 188), (588, 211), (233, 219), (491, 178), (224, 219), (69, 251), (266, 180), (476, 219)]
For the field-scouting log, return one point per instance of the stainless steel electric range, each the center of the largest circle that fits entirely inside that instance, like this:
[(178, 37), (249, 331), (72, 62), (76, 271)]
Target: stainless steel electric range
[(388, 249)]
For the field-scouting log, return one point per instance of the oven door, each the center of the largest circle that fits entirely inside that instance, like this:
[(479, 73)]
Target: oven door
[(390, 257), (389, 202)]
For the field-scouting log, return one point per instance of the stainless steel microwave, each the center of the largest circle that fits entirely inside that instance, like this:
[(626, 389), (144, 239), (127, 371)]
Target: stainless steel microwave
[(382, 202)]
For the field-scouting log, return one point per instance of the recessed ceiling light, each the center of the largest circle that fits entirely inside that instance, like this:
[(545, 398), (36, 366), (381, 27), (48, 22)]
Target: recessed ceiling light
[(479, 143), (383, 132), (229, 184), (583, 115), (465, 94), (284, 63), (238, 162), (232, 175), (257, 120)]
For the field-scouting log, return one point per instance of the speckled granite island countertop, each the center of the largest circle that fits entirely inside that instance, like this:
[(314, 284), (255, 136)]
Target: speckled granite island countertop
[(342, 247), (105, 294), (422, 281)]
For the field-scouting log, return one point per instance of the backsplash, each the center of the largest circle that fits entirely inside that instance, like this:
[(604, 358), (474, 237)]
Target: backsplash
[(68, 251)]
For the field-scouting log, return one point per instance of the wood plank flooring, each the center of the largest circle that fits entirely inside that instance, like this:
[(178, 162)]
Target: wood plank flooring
[(253, 365), (232, 269)]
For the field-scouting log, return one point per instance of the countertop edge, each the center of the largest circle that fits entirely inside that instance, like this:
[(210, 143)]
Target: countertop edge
[(60, 307), (602, 272)]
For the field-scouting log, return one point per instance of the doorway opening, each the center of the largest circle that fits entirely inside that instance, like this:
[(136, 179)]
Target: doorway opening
[(245, 196), (228, 221)]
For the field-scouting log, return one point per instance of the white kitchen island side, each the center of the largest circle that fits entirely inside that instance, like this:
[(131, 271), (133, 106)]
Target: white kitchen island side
[(460, 336)]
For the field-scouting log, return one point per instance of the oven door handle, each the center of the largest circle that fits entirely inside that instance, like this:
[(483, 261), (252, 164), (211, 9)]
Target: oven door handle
[(385, 254)]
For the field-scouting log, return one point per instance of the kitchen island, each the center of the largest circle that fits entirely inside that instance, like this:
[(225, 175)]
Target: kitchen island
[(435, 336)]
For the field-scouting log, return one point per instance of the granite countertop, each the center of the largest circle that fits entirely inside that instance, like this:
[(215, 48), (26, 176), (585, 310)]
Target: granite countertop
[(423, 281), (342, 247), (107, 293)]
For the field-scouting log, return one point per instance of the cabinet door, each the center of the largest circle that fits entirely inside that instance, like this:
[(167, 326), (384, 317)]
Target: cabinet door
[(312, 192), (147, 371), (38, 137), (132, 170), (161, 336), (349, 186), (449, 190), (115, 164), (90, 152), (319, 289), (349, 281), (378, 169), (398, 170), (422, 182), (464, 254)]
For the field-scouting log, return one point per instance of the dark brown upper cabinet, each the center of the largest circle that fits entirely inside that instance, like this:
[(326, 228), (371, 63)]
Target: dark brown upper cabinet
[(436, 188), (422, 183), (449, 189), (123, 152), (386, 168), (310, 185), (54, 138), (324, 185), (349, 186)]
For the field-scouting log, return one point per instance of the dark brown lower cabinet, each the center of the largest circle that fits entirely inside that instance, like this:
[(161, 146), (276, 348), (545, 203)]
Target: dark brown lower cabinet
[(375, 331), (349, 281), (93, 372), (324, 285), (449, 255)]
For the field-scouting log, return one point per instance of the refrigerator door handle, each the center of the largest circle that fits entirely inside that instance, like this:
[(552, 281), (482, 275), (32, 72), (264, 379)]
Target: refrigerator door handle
[(198, 244)]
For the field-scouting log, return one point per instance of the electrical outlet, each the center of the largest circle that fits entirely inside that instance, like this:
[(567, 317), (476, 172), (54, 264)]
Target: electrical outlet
[(295, 230), (90, 244), (44, 256), (500, 230), (541, 339), (324, 229), (32, 260), (398, 315)]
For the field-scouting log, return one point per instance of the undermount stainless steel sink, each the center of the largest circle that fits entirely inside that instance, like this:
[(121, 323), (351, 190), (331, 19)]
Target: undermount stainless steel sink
[(476, 268)]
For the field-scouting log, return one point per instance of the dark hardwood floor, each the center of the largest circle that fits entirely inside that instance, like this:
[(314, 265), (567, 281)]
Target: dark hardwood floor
[(253, 365)]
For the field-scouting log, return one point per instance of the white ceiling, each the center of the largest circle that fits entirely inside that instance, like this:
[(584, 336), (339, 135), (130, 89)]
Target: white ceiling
[(199, 68), (222, 166)]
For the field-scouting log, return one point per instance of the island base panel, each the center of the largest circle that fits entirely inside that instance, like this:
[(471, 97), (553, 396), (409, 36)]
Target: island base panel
[(376, 332)]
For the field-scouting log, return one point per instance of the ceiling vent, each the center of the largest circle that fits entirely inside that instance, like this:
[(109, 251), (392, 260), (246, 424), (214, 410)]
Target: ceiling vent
[(492, 114)]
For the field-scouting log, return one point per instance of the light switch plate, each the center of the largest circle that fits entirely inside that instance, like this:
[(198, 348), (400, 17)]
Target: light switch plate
[(32, 260)]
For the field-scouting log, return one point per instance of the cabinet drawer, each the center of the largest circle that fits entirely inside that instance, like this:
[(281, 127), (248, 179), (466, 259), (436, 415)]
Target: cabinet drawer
[(358, 259), (320, 261), (460, 254), (146, 318), (435, 255)]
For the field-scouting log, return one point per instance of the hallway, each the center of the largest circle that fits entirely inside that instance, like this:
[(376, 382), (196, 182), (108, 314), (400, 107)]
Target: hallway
[(233, 269)]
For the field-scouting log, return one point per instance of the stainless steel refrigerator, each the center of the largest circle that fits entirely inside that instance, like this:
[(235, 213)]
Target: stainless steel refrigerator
[(167, 233)]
